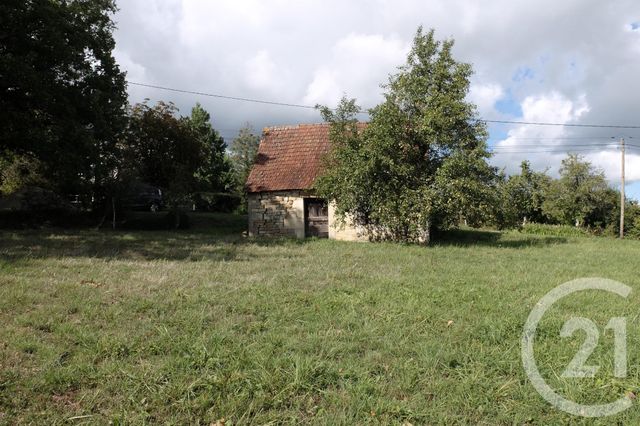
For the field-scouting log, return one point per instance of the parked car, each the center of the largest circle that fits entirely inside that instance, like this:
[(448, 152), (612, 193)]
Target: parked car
[(143, 197)]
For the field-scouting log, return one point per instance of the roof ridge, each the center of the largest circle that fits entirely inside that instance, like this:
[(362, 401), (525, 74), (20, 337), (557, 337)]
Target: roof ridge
[(293, 126)]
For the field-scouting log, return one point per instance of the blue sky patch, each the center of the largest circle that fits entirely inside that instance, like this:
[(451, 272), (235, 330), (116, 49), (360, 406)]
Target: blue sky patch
[(635, 26), (497, 133), (508, 105), (522, 74)]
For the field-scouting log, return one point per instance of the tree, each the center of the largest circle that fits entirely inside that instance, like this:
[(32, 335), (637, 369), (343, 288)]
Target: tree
[(18, 171), (581, 196), (162, 150), (244, 150), (62, 95), (214, 175), (524, 196), (421, 160)]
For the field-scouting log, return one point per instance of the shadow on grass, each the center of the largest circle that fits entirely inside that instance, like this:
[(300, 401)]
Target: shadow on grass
[(138, 245), (215, 238), (471, 237)]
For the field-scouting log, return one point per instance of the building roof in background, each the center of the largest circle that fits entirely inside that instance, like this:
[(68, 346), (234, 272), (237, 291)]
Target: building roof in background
[(289, 157)]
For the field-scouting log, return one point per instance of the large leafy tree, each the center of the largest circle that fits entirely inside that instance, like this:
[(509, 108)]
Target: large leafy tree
[(162, 150), (581, 196), (62, 95), (244, 150), (421, 160), (524, 196), (215, 172)]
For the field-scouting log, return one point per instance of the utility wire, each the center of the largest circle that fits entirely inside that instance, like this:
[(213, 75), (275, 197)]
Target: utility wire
[(581, 138), (261, 101), (233, 98), (607, 126), (560, 147)]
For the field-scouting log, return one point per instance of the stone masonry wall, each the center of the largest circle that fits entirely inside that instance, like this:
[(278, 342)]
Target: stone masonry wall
[(279, 213), (346, 231)]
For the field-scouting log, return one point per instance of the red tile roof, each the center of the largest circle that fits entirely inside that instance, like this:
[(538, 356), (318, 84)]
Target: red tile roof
[(289, 157)]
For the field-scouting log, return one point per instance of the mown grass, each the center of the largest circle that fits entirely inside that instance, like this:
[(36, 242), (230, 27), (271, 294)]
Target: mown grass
[(203, 325)]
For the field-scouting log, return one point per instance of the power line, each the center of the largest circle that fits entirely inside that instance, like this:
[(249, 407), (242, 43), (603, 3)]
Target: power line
[(212, 95), (544, 152), (560, 148), (533, 123), (557, 145), (532, 149), (570, 145), (286, 104), (561, 138)]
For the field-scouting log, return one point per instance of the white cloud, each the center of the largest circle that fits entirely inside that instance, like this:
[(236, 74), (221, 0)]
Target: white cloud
[(357, 65), (523, 141), (262, 74), (485, 97), (531, 142), (583, 57)]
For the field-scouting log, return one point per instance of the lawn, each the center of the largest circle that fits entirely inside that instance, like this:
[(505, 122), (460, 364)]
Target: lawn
[(204, 325)]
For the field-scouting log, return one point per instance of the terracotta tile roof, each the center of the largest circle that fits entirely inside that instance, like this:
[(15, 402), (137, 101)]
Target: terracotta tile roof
[(289, 157)]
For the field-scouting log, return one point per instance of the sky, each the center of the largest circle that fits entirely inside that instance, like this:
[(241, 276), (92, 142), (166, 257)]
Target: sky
[(572, 62)]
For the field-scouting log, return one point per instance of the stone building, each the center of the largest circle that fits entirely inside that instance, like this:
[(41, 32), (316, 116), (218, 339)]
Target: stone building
[(280, 195)]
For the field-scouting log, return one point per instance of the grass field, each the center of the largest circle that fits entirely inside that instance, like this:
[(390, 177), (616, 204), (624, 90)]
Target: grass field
[(204, 325)]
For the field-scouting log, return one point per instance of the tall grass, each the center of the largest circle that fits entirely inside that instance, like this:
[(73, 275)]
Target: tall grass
[(554, 230), (195, 327)]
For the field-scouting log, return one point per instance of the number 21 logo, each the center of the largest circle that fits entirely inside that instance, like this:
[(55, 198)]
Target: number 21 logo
[(578, 368)]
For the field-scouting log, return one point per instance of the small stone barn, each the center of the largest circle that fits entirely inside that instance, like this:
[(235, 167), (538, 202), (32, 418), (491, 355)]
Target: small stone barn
[(280, 195)]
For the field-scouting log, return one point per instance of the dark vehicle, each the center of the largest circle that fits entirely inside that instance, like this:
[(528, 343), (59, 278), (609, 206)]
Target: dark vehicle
[(143, 197)]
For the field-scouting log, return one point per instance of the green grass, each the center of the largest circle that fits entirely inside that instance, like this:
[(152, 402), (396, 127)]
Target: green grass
[(554, 230), (197, 326)]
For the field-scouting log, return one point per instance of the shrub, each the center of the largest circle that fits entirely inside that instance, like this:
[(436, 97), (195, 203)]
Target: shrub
[(20, 171), (553, 230), (32, 206), (216, 201), (634, 230)]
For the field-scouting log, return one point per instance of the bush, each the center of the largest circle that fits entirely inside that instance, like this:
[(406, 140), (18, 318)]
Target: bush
[(634, 230), (553, 230), (19, 219), (18, 172), (33, 198), (216, 201), (33, 207)]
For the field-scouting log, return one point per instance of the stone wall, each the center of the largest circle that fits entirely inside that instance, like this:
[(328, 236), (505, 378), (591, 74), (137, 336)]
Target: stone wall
[(279, 213), (346, 231)]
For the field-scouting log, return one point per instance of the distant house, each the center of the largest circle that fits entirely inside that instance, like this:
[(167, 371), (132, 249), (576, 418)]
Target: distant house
[(280, 186)]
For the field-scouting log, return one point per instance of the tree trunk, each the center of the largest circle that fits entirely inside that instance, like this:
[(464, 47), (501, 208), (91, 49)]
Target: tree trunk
[(113, 210), (176, 218), (425, 235)]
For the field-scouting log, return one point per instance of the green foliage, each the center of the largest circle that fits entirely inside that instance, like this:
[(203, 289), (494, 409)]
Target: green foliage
[(553, 230), (19, 171), (34, 207), (581, 196), (244, 150), (161, 150), (62, 95), (216, 201), (523, 196), (421, 161), (214, 174), (631, 221), (33, 198)]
